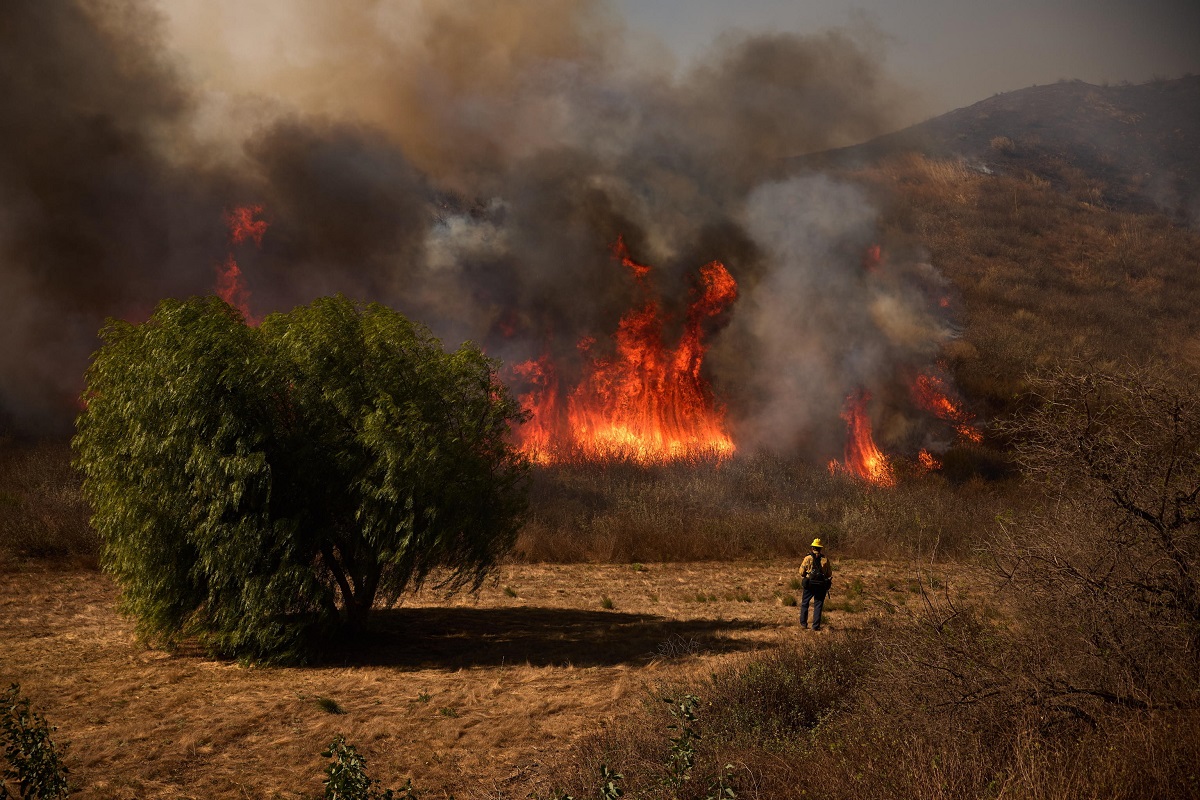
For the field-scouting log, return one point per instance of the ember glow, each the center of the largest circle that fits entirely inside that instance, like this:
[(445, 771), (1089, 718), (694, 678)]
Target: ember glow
[(230, 285), (646, 402), (863, 458), (931, 393)]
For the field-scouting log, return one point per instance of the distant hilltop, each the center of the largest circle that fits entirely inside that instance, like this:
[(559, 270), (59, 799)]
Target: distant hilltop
[(1137, 145)]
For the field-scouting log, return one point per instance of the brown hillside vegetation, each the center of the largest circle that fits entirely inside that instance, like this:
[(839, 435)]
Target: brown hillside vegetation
[(1043, 274), (1131, 147)]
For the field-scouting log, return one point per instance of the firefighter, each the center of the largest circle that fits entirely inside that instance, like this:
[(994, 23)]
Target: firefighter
[(816, 575)]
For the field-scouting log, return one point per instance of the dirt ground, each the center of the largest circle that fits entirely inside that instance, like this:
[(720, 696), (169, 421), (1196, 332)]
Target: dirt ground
[(466, 695)]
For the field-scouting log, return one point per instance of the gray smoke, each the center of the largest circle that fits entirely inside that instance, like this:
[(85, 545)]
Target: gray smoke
[(823, 322), (470, 163)]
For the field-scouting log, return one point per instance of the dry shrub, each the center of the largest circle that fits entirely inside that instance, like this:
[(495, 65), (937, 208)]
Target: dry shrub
[(757, 714), (933, 709), (1118, 546), (1003, 144), (42, 511)]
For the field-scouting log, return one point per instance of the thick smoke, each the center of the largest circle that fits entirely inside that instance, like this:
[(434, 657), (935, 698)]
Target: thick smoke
[(470, 163), (95, 217), (826, 320)]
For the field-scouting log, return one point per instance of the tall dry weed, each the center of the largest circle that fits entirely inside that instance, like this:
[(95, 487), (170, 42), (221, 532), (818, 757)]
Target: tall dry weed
[(750, 507), (43, 514)]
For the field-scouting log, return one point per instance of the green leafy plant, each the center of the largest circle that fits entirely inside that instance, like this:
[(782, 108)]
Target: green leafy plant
[(261, 488), (722, 787), (609, 790), (33, 762), (346, 777), (682, 756)]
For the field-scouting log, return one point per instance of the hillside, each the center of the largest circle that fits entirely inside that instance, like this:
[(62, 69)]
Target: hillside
[(1064, 215), (1129, 147)]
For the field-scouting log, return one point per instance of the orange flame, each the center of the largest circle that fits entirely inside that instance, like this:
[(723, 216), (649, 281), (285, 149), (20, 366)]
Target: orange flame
[(232, 289), (863, 458), (243, 225), (230, 286), (640, 271), (931, 393), (538, 434), (928, 461), (646, 402)]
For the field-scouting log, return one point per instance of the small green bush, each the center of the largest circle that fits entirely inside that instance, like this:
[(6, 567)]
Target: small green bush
[(33, 762), (346, 777)]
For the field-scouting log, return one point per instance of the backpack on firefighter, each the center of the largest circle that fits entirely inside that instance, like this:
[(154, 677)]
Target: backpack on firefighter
[(816, 579)]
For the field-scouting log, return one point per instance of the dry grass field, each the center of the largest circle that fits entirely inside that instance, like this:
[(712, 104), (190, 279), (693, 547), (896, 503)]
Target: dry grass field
[(471, 696)]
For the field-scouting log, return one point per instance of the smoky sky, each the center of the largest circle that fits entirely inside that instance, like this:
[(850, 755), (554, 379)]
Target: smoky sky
[(469, 163), (952, 53)]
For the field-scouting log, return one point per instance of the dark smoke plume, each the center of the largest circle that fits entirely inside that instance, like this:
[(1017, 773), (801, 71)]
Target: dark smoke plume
[(470, 163), (96, 218)]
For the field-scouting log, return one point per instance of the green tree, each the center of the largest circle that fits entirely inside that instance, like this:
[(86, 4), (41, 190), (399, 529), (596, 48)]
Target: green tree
[(261, 488)]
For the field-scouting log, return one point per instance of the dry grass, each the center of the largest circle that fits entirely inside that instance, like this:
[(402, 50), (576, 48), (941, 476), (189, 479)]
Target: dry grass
[(756, 507), (1045, 271), (842, 717), (524, 677), (748, 507), (42, 510)]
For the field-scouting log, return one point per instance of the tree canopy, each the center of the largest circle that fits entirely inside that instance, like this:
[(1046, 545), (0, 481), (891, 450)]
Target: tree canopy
[(260, 488)]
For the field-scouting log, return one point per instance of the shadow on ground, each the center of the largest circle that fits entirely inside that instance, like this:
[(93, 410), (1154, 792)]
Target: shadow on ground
[(453, 638)]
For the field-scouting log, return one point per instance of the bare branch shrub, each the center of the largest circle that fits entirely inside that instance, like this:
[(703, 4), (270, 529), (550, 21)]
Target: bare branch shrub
[(1108, 574)]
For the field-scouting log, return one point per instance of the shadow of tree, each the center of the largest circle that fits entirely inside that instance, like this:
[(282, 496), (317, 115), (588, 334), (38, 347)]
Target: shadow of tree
[(454, 638)]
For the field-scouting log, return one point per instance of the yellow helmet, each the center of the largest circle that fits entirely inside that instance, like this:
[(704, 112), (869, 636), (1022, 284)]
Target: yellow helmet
[(816, 543)]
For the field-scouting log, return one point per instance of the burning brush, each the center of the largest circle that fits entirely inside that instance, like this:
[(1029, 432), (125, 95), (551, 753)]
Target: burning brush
[(646, 402)]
